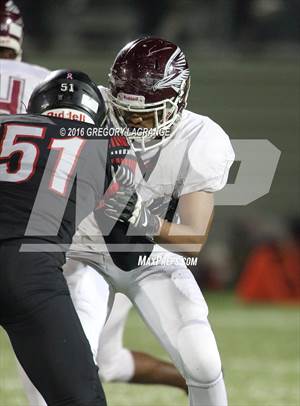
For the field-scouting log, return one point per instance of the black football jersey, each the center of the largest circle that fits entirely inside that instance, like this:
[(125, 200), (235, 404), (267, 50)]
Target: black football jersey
[(52, 175)]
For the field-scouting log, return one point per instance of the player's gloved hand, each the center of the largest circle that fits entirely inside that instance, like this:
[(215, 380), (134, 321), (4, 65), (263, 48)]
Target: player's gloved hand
[(159, 206), (124, 176), (126, 205)]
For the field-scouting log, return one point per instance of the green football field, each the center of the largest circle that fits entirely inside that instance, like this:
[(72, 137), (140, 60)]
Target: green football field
[(259, 347)]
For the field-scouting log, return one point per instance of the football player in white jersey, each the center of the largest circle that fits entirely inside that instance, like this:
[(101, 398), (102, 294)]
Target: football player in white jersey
[(183, 166), (167, 211), (17, 79)]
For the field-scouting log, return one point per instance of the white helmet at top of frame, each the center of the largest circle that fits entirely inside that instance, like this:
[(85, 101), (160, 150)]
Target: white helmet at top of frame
[(11, 27)]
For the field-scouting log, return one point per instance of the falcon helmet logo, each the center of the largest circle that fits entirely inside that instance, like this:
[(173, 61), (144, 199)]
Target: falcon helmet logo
[(176, 73)]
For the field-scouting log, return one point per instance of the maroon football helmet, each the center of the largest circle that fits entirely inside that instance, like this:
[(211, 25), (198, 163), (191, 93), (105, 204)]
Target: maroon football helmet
[(149, 75), (11, 27)]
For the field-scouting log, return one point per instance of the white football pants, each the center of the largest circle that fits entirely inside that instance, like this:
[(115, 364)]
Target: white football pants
[(171, 304)]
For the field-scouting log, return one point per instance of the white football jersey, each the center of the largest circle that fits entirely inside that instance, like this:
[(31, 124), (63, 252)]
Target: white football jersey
[(197, 158), (17, 81)]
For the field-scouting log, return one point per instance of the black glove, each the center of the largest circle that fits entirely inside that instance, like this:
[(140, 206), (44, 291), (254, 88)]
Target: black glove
[(126, 205)]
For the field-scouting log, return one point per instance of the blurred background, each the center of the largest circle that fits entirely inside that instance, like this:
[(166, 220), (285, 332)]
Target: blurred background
[(245, 67)]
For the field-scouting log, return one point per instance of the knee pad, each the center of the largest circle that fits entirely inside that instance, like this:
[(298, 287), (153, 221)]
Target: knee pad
[(199, 354), (119, 368)]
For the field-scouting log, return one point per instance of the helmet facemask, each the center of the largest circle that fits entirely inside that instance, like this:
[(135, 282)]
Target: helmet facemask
[(166, 115)]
